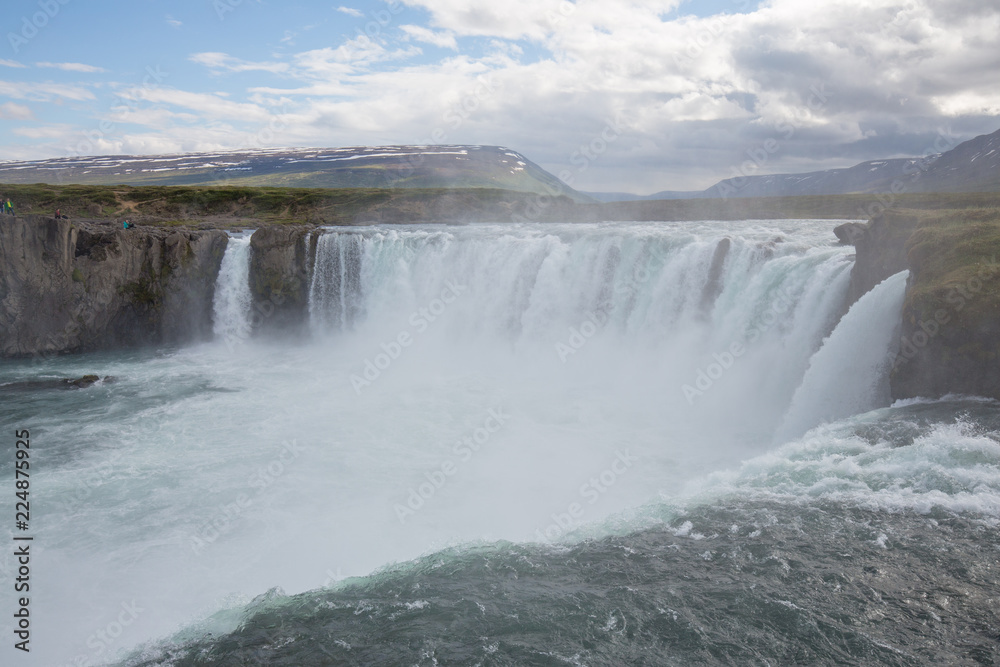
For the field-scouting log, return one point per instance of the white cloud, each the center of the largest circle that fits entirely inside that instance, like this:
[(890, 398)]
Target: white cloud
[(538, 19), (59, 131), (332, 64), (151, 117), (72, 67), (221, 62), (43, 92), (172, 22), (688, 91), (546, 76), (443, 39), (213, 106), (11, 63), (969, 103), (14, 111)]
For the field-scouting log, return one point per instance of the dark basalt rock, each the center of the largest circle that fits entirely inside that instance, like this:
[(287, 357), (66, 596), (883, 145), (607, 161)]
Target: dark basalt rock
[(950, 323), (83, 382), (881, 249), (68, 287)]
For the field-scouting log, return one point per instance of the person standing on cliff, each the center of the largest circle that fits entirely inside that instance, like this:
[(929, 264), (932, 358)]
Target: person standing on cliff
[(8, 208)]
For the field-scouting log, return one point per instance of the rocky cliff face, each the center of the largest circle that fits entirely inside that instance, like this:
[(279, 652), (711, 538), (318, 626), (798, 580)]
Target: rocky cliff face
[(950, 333), (950, 340), (881, 249), (279, 278), (72, 287)]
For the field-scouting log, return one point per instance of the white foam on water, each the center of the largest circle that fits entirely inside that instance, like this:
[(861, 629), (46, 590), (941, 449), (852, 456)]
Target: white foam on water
[(461, 384), (232, 304), (850, 373)]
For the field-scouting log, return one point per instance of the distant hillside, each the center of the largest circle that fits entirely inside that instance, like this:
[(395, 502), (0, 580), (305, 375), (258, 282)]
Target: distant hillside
[(358, 167), (240, 207), (627, 196), (972, 166)]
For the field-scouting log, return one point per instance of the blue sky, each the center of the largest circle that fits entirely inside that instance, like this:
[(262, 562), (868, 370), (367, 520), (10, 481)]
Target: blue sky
[(691, 89)]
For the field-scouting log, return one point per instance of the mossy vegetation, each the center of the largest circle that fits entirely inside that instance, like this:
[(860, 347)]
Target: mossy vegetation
[(955, 255), (241, 205), (145, 292), (844, 207), (180, 205)]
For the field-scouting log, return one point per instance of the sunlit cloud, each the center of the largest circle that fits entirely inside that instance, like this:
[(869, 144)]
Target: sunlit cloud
[(867, 78), (443, 39), (72, 67), (43, 92), (221, 62), (14, 111)]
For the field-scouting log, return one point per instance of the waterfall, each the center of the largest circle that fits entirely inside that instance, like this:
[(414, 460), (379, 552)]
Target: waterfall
[(232, 303), (529, 282), (682, 296), (850, 373), (334, 291), (494, 385)]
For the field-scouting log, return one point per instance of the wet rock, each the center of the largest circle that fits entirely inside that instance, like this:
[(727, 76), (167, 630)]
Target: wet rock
[(68, 287)]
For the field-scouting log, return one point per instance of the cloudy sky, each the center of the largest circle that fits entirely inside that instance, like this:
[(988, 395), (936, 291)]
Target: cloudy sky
[(627, 95)]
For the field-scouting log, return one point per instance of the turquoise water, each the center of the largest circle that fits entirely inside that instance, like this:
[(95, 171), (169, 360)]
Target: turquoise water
[(484, 452)]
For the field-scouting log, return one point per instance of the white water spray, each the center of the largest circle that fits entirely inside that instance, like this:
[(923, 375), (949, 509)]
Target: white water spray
[(850, 373), (334, 290), (233, 301), (504, 368)]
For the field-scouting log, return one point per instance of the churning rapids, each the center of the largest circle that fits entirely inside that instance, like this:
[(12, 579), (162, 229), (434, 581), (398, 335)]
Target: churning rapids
[(607, 444)]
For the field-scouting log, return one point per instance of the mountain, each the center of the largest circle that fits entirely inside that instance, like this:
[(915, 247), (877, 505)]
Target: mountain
[(608, 197), (364, 166), (972, 166)]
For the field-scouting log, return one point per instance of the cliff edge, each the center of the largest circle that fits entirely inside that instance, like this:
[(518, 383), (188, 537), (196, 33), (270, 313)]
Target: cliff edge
[(67, 287), (950, 330)]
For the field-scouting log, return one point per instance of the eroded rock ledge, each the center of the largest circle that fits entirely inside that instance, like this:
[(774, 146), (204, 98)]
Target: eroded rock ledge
[(950, 334), (68, 287)]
